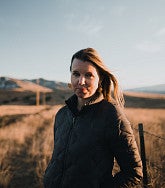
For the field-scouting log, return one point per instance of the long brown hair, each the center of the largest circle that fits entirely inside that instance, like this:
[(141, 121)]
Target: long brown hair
[(108, 86)]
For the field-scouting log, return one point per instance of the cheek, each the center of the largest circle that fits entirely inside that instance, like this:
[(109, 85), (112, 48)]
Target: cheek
[(96, 83), (73, 81), (95, 86)]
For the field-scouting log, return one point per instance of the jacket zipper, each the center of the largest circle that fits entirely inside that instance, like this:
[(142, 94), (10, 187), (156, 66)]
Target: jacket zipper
[(66, 150)]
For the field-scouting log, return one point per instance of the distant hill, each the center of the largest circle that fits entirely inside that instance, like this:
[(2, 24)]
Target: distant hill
[(150, 89), (50, 84), (41, 84), (7, 83), (23, 92)]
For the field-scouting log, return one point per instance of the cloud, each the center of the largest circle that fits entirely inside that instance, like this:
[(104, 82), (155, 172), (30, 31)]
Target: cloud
[(148, 47)]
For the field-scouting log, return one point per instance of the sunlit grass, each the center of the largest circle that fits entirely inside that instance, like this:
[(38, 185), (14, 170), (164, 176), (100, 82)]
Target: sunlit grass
[(26, 144)]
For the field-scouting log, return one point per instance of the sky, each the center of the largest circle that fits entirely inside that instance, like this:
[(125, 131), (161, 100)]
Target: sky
[(39, 37)]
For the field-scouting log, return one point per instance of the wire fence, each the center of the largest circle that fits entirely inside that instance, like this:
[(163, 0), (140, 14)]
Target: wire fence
[(152, 149)]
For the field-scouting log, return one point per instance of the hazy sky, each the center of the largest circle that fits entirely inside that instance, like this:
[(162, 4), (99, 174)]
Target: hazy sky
[(38, 38)]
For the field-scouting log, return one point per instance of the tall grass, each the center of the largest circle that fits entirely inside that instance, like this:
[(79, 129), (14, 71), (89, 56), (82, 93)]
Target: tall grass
[(154, 134), (25, 149), (26, 144)]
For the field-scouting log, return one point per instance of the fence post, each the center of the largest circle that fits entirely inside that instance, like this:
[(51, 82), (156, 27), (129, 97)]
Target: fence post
[(37, 94), (143, 155)]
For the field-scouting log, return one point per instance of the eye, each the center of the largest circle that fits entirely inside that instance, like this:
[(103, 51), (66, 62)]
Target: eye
[(75, 73), (88, 75)]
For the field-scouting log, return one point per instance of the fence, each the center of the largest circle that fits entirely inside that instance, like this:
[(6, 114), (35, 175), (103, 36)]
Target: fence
[(153, 158)]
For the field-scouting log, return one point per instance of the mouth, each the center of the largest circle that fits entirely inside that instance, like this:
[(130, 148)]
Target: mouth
[(81, 89)]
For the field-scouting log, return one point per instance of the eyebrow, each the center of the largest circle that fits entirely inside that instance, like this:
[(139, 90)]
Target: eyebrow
[(74, 71), (88, 72)]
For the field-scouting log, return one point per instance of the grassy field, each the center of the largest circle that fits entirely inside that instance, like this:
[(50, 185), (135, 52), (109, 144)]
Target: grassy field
[(154, 134), (26, 143)]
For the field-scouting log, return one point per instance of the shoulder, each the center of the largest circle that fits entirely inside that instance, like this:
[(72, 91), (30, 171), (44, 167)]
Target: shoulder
[(113, 111), (62, 111), (61, 116), (118, 119), (111, 107)]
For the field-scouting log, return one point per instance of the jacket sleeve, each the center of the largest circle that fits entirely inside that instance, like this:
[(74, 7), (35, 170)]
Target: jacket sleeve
[(127, 155)]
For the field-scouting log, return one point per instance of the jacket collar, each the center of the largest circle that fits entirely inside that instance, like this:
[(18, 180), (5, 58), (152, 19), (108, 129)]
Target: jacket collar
[(72, 103)]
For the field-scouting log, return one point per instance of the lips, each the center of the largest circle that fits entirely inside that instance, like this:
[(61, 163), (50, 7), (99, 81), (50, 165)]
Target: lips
[(82, 89)]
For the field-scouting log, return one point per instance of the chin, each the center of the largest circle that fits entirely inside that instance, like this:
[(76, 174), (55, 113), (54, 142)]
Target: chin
[(82, 95)]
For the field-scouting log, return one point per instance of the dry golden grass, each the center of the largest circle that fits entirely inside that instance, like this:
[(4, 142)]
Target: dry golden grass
[(153, 119), (154, 134), (26, 147), (19, 109), (26, 144)]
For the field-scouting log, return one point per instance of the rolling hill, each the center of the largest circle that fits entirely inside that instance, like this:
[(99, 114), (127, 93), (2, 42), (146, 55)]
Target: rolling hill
[(50, 84), (150, 89), (23, 92), (21, 85)]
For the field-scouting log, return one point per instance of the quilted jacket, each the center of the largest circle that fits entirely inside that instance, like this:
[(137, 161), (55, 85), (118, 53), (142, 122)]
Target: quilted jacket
[(85, 145)]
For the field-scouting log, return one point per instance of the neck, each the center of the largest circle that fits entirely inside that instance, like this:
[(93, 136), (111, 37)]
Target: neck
[(88, 101), (81, 103)]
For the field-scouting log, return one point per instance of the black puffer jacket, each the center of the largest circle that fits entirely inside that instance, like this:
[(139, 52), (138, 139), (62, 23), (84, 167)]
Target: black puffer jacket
[(85, 145)]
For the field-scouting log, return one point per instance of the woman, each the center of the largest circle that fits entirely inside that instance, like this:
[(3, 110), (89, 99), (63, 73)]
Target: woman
[(91, 130)]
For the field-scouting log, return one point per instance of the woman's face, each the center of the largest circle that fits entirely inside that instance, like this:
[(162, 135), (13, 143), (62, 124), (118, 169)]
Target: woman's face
[(84, 78)]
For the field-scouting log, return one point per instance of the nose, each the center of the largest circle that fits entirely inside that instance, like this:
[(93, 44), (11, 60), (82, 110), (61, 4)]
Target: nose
[(81, 80)]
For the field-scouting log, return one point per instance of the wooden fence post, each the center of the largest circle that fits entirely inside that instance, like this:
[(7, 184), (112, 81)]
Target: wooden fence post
[(143, 155), (37, 98), (37, 94), (44, 98)]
